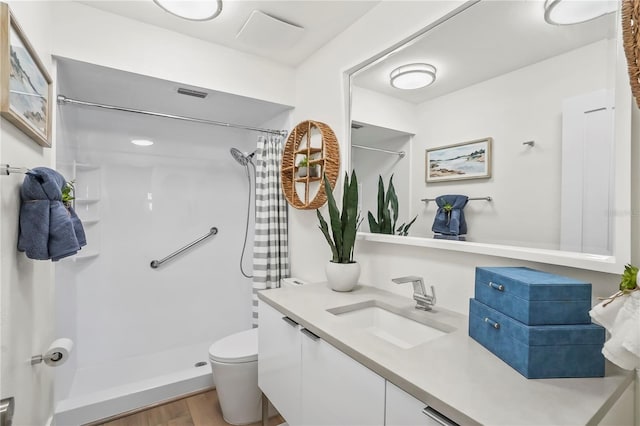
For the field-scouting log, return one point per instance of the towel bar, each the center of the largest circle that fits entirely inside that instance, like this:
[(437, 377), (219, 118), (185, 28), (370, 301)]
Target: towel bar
[(6, 169), (426, 200)]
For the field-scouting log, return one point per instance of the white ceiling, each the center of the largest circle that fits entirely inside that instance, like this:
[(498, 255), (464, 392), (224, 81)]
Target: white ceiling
[(323, 20), (489, 39)]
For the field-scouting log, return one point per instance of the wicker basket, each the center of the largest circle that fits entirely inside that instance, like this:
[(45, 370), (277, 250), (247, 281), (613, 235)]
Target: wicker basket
[(631, 41), (328, 159)]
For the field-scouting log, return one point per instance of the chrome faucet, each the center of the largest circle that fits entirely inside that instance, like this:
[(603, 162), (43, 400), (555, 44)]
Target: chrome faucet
[(423, 300)]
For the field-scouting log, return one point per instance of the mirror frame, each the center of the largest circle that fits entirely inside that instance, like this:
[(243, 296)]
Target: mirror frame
[(622, 184)]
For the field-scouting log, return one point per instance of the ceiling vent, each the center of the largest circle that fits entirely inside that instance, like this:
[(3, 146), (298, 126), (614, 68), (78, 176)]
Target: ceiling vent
[(266, 32), (194, 93)]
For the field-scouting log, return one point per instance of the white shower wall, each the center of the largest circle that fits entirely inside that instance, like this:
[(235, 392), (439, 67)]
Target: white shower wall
[(152, 201)]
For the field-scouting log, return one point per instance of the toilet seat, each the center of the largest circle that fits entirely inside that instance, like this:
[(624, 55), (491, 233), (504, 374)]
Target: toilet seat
[(236, 348)]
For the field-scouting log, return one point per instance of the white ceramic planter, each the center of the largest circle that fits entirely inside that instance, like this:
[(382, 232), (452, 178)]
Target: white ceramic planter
[(342, 276), (311, 171)]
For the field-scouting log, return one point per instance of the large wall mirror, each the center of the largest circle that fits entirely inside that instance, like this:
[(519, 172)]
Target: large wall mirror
[(553, 100)]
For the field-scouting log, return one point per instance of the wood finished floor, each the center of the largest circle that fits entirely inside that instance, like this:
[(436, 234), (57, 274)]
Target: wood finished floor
[(202, 409)]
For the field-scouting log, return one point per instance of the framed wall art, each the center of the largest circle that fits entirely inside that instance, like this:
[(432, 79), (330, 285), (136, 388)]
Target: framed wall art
[(25, 85), (466, 160)]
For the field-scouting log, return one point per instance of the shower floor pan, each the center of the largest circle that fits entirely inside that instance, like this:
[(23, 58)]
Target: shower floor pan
[(107, 390)]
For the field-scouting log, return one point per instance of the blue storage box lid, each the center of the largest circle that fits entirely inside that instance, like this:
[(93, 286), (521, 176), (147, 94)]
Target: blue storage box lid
[(531, 284), (540, 335)]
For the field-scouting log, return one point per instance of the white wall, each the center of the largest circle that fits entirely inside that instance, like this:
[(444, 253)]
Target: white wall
[(519, 106), (376, 108), (321, 94), (26, 286), (152, 202), (91, 35)]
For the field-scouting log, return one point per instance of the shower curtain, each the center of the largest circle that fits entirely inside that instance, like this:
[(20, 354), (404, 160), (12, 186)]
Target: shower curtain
[(271, 246)]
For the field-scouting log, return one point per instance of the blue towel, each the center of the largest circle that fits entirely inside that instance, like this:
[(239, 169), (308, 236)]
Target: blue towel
[(48, 230), (450, 222)]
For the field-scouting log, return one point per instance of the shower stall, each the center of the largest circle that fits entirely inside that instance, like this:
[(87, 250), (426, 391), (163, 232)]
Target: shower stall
[(141, 334)]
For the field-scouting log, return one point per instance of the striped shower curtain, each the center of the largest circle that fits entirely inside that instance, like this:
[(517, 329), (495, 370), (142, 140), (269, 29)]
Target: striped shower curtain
[(271, 246)]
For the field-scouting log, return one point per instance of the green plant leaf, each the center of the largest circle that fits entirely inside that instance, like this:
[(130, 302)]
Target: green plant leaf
[(373, 225), (629, 278), (380, 199), (350, 206), (393, 202), (334, 217), (404, 229), (325, 230)]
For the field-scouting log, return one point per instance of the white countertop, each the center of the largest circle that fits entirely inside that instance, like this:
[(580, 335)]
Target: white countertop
[(453, 373)]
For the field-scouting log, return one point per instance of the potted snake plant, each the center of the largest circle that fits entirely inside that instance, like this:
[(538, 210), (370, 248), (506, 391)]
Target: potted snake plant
[(342, 271)]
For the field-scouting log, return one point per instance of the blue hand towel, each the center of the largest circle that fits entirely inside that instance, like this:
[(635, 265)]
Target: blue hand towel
[(450, 221), (48, 230)]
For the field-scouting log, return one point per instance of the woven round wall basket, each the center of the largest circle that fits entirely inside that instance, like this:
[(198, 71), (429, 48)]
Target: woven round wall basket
[(316, 142), (631, 41)]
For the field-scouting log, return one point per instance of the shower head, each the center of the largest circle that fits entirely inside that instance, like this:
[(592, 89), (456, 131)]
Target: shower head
[(241, 157)]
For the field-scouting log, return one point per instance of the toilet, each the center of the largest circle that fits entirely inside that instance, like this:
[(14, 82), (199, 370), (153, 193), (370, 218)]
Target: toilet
[(234, 363)]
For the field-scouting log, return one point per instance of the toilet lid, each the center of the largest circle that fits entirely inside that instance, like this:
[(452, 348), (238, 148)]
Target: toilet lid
[(236, 348)]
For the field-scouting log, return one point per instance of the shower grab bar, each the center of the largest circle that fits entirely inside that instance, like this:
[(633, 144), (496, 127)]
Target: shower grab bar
[(155, 263)]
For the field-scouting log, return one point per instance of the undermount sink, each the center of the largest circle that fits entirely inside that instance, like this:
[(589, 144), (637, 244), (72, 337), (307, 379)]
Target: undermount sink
[(394, 327)]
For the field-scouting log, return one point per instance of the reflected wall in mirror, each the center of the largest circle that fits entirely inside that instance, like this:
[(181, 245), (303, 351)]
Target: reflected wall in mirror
[(503, 73)]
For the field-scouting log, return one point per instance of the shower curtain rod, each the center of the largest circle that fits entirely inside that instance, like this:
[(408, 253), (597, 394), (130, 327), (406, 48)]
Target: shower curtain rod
[(65, 100), (400, 154)]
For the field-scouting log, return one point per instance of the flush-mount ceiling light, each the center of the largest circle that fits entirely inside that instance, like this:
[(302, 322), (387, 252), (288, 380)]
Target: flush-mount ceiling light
[(142, 142), (190, 9), (567, 12), (413, 76)]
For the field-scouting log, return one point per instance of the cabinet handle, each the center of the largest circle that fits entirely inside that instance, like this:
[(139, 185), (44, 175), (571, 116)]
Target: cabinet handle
[(309, 334), (492, 323), (289, 321), (438, 417), (496, 286)]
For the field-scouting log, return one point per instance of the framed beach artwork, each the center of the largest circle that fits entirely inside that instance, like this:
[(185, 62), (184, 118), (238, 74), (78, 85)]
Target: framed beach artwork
[(466, 160), (25, 85)]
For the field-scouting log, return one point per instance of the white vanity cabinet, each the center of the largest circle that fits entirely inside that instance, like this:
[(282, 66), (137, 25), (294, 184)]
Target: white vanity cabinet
[(309, 381), (279, 362), (403, 409), (336, 390)]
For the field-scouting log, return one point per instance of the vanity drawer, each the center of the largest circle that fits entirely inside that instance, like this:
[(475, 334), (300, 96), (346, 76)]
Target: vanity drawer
[(534, 297), (539, 352)]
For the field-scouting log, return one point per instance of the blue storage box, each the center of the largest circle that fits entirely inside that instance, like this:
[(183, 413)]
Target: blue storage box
[(539, 352), (534, 297)]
